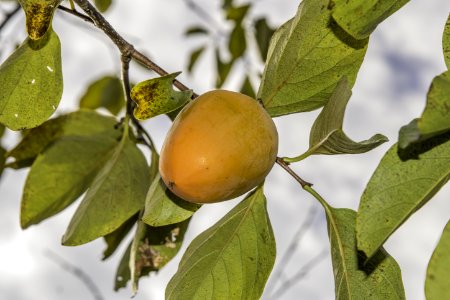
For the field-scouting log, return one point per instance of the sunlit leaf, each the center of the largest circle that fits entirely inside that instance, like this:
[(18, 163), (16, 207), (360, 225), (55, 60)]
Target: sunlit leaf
[(105, 92), (237, 43), (80, 123), (39, 15), (436, 284), (115, 238), (103, 5), (263, 34), (360, 17), (162, 207), (153, 248), (398, 188), (230, 260), (195, 55), (117, 193), (307, 57), (157, 96), (380, 278), (327, 136), (31, 83)]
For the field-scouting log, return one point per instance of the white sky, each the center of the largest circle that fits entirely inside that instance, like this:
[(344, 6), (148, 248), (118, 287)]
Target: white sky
[(404, 55)]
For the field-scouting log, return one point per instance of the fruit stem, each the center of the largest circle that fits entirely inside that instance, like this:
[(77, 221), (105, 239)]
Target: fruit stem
[(285, 165)]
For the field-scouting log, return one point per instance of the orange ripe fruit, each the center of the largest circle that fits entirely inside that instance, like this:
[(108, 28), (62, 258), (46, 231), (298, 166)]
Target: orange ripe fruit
[(220, 146)]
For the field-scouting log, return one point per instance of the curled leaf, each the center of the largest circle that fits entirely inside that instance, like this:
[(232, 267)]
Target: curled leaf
[(39, 15)]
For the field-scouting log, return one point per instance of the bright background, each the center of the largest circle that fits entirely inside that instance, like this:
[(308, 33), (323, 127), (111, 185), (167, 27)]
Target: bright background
[(404, 55)]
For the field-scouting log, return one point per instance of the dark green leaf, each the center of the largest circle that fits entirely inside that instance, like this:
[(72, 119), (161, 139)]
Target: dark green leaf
[(307, 57), (2, 130), (196, 30), (61, 174), (238, 13), (446, 42), (398, 188), (195, 55), (116, 237), (436, 284), (117, 193), (247, 88), (227, 3), (123, 273), (162, 207), (360, 17), (80, 123), (230, 260), (39, 15), (237, 43), (223, 69), (327, 136), (2, 159), (157, 96), (263, 34), (103, 5), (380, 278), (31, 81), (105, 92), (153, 248), (435, 118)]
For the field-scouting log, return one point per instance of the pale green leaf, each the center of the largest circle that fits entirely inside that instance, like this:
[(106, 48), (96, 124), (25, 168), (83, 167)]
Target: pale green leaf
[(105, 92), (230, 260), (360, 17), (162, 207), (435, 119), (117, 193), (103, 5), (446, 42), (436, 284), (80, 123), (31, 81), (115, 238), (156, 96), (327, 136), (398, 188), (306, 58), (39, 15), (379, 279), (61, 174), (153, 248)]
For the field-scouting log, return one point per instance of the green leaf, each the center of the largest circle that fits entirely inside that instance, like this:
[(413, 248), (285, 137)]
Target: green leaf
[(435, 118), (237, 13), (115, 238), (195, 55), (360, 17), (230, 260), (380, 278), (153, 248), (39, 15), (103, 5), (237, 42), (223, 69), (80, 123), (247, 88), (123, 273), (2, 159), (327, 136), (116, 194), (399, 188), (31, 81), (196, 31), (2, 130), (105, 92), (61, 174), (307, 57), (156, 96), (162, 207), (263, 34), (436, 283), (446, 42)]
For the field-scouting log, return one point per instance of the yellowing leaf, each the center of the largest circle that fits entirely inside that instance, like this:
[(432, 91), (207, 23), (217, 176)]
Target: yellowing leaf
[(31, 83), (39, 15), (156, 96)]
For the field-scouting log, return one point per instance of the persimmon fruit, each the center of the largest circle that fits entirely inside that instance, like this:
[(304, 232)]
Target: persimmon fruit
[(220, 146)]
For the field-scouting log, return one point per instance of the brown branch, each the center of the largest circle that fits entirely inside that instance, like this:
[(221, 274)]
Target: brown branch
[(76, 13), (285, 166), (125, 48), (9, 16)]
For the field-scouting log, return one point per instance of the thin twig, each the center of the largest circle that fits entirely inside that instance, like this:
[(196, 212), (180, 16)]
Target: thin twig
[(293, 245), (301, 273), (77, 272), (124, 47), (9, 16), (285, 166), (76, 13)]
